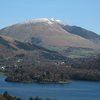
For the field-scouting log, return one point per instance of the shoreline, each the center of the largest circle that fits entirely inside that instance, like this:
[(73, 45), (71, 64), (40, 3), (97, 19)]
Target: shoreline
[(58, 82), (28, 82), (2, 73)]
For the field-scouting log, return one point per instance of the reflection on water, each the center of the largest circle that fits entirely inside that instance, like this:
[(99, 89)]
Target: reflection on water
[(76, 90)]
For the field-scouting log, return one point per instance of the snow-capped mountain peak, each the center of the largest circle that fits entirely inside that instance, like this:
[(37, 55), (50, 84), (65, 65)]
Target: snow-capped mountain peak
[(39, 20), (56, 20), (46, 20)]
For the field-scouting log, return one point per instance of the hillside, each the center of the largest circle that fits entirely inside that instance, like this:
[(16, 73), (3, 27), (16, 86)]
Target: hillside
[(10, 48)]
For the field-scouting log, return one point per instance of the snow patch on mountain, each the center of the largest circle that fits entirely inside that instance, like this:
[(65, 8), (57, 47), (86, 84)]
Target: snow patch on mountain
[(56, 21), (45, 20)]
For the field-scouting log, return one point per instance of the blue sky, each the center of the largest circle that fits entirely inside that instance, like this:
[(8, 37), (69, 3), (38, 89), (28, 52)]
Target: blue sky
[(84, 13)]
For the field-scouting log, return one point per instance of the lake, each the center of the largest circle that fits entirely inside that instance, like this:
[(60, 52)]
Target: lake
[(76, 90)]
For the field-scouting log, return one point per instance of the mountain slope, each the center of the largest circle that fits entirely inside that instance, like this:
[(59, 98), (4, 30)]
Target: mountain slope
[(83, 33), (45, 32), (7, 47), (10, 48)]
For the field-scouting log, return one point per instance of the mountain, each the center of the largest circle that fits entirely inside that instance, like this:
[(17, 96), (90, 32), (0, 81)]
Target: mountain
[(46, 32), (69, 41), (92, 36)]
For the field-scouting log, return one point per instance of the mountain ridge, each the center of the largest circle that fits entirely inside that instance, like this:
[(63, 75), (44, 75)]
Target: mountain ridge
[(87, 34), (47, 32)]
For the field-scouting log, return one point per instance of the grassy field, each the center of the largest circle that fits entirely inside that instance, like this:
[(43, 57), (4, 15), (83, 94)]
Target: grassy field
[(1, 73), (74, 52)]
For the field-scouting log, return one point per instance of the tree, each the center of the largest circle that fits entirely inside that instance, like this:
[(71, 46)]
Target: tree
[(48, 74), (5, 94), (31, 98), (62, 76), (37, 98)]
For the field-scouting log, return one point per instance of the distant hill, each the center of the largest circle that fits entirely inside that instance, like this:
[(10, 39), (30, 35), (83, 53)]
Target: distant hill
[(92, 36)]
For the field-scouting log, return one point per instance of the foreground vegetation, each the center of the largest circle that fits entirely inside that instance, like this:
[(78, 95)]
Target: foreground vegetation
[(7, 96)]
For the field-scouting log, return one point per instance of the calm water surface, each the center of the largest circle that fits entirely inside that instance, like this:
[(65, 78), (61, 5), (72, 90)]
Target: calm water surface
[(76, 90)]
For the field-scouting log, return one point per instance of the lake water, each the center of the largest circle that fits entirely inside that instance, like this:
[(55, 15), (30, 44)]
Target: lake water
[(76, 90)]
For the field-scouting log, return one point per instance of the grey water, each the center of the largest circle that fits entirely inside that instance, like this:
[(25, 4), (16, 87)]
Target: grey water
[(76, 90)]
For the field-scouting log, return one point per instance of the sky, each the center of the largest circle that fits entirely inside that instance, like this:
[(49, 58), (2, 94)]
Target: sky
[(83, 13)]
